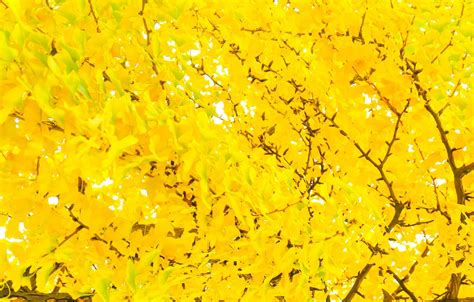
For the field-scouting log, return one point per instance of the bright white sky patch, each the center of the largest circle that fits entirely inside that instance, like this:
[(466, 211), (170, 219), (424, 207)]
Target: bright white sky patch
[(105, 183), (396, 245), (220, 113), (194, 52), (367, 99), (3, 230), (53, 200)]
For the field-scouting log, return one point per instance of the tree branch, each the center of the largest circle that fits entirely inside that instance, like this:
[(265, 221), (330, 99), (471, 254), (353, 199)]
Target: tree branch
[(96, 19), (8, 292), (450, 43), (395, 202), (360, 277), (453, 286), (77, 230), (465, 169), (449, 151), (403, 286)]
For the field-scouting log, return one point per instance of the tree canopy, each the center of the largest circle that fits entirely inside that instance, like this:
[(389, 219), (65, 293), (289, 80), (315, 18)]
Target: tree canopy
[(231, 150)]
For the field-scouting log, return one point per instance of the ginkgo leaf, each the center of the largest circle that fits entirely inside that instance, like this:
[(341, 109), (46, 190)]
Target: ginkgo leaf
[(131, 275), (44, 275), (206, 150), (103, 288)]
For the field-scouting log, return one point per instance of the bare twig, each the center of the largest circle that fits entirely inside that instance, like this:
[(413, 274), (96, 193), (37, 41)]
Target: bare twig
[(403, 224), (450, 43), (359, 36), (147, 30), (77, 230)]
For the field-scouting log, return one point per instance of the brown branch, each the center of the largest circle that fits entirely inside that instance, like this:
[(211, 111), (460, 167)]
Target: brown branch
[(153, 64), (458, 185), (360, 277), (109, 243), (413, 267), (39, 297), (144, 2), (403, 286), (7, 292), (377, 90), (147, 30), (403, 224), (449, 151), (395, 202), (52, 125), (77, 230), (96, 20), (279, 210), (438, 204), (453, 286), (435, 190), (405, 40), (253, 31), (398, 207), (75, 218), (37, 168), (450, 43), (308, 158), (48, 4), (374, 249), (451, 94), (455, 281), (360, 37), (394, 136), (201, 71), (465, 169)]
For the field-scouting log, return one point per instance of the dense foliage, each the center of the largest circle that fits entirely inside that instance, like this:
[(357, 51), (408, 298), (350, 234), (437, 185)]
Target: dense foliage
[(236, 150)]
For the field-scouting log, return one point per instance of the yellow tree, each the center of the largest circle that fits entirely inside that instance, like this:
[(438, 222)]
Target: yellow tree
[(236, 150)]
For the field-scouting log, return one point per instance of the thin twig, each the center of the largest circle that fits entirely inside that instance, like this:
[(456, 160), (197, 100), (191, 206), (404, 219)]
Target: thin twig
[(450, 43), (77, 230), (96, 19)]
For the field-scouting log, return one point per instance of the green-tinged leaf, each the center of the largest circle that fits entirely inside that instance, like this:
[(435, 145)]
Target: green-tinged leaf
[(103, 289), (131, 274)]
